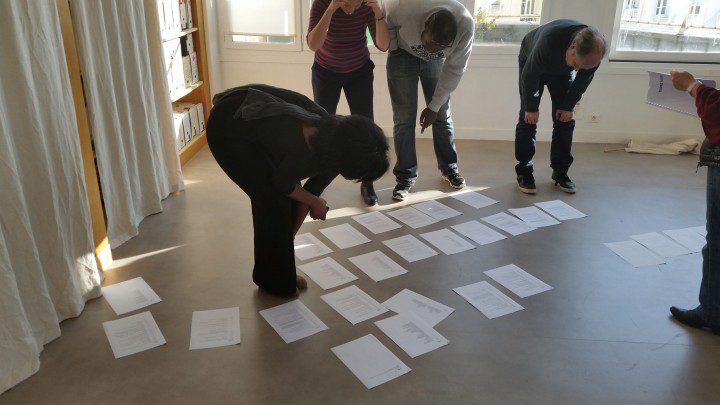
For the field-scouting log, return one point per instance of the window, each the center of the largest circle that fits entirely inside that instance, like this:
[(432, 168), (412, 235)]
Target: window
[(667, 31), (505, 21), (250, 23)]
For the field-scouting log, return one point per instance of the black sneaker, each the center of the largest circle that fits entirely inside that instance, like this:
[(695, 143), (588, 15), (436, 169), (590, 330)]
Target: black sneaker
[(401, 192), (563, 181), (455, 179), (526, 183), (367, 191)]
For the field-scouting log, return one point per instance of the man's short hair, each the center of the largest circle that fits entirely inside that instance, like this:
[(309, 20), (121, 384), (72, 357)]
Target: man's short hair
[(588, 41), (442, 27)]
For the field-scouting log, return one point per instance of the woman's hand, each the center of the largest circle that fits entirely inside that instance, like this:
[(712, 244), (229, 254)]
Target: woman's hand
[(376, 7), (336, 4), (319, 209)]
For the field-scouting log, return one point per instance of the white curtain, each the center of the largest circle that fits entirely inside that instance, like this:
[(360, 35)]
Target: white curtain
[(129, 106), (47, 266)]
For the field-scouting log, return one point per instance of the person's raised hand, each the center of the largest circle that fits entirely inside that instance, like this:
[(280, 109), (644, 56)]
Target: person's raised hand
[(319, 209), (375, 6), (682, 80), (336, 4), (563, 116), (427, 117), (532, 117)]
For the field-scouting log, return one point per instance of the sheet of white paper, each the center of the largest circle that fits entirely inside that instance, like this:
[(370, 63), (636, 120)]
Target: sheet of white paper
[(308, 246), (410, 248), (534, 217), (412, 217), (635, 253), (447, 241), (130, 295), (488, 299), (371, 362), (133, 334), (215, 328), (344, 236), (377, 265), (327, 273), (376, 222), (662, 93), (354, 304), (517, 280), (661, 245), (508, 223), (411, 303), (560, 210), (473, 199), (413, 335), (688, 237), (293, 321), (479, 233), (702, 230), (436, 210)]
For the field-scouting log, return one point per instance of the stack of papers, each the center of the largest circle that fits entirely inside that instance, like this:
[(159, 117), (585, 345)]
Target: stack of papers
[(413, 335), (688, 237), (509, 224), (371, 362), (412, 217), (447, 241), (488, 299), (344, 236), (376, 222), (410, 248), (327, 273), (353, 304), (308, 246), (560, 210), (216, 328), (133, 334), (479, 233), (518, 281), (377, 265), (661, 245), (293, 321), (407, 302), (534, 217), (635, 254), (436, 210), (473, 199), (130, 295)]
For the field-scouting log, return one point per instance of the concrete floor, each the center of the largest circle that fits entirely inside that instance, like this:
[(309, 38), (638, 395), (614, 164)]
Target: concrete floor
[(601, 336)]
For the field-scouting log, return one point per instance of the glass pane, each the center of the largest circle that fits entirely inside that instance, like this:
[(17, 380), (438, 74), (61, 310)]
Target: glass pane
[(670, 26), (505, 21), (261, 21)]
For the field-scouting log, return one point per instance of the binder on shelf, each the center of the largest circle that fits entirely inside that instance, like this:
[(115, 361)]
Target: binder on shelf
[(201, 116), (187, 44), (167, 6), (177, 23), (194, 67), (183, 15), (179, 132), (161, 16), (189, 14), (186, 126), (187, 71), (191, 109)]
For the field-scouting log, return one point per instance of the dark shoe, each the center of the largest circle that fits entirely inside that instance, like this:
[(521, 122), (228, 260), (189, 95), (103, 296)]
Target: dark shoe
[(368, 194), (455, 179), (401, 192), (692, 318), (526, 183), (563, 181)]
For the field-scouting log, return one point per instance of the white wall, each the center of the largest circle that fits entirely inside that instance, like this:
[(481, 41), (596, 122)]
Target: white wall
[(486, 104)]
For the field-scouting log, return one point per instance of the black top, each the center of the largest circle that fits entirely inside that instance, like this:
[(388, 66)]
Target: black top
[(282, 140), (543, 53)]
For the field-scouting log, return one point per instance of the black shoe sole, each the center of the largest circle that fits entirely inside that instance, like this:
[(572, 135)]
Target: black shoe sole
[(452, 185)]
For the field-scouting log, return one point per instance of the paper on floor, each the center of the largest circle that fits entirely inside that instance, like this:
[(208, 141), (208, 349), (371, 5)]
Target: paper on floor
[(560, 210), (344, 236), (689, 238), (371, 362), (508, 223), (534, 217), (354, 304), (447, 241), (308, 246), (479, 233), (376, 222), (660, 245), (133, 334), (327, 273), (702, 230), (215, 328), (377, 265), (413, 335), (409, 302), (635, 253), (473, 199), (488, 299), (412, 217), (410, 248), (436, 210), (130, 295), (293, 321), (517, 280)]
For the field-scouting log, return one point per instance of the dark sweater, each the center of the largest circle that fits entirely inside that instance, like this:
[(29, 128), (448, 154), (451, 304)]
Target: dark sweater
[(708, 106), (543, 54)]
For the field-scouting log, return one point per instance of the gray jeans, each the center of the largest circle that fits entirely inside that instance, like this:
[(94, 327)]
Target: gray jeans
[(710, 285)]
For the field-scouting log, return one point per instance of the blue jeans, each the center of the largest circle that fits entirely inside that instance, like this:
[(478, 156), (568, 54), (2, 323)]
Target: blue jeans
[(403, 71), (710, 285), (560, 156)]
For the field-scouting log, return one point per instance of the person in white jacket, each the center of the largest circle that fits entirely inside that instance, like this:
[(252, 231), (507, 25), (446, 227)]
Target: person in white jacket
[(430, 41)]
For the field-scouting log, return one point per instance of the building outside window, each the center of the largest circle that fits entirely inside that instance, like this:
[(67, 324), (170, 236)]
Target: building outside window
[(505, 21)]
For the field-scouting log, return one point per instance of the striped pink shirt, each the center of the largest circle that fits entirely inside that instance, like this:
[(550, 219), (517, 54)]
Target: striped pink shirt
[(345, 49)]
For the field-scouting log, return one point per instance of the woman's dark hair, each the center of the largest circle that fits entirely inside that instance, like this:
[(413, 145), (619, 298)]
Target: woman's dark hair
[(353, 146)]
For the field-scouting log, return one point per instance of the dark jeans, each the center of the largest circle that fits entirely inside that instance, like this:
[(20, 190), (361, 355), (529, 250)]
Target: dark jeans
[(403, 72), (560, 156), (357, 85), (710, 285)]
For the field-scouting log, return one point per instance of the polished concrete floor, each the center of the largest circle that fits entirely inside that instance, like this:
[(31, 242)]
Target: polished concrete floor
[(601, 336)]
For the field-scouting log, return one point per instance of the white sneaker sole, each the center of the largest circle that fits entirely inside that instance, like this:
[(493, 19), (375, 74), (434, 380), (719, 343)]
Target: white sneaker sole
[(527, 190), (567, 190)]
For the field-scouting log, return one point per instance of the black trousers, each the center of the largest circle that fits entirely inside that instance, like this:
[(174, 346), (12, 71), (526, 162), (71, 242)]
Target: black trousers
[(272, 212)]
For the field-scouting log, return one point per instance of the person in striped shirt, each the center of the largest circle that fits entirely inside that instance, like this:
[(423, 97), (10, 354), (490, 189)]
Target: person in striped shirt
[(337, 34)]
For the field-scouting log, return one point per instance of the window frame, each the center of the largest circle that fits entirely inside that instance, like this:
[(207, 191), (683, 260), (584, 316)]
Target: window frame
[(229, 44)]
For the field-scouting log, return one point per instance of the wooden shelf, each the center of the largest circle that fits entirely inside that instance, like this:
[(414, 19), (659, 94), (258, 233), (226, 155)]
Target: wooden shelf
[(179, 34), (187, 90), (189, 150)]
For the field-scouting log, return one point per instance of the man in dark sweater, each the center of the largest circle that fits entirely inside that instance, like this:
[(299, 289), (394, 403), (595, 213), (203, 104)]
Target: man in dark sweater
[(562, 55)]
